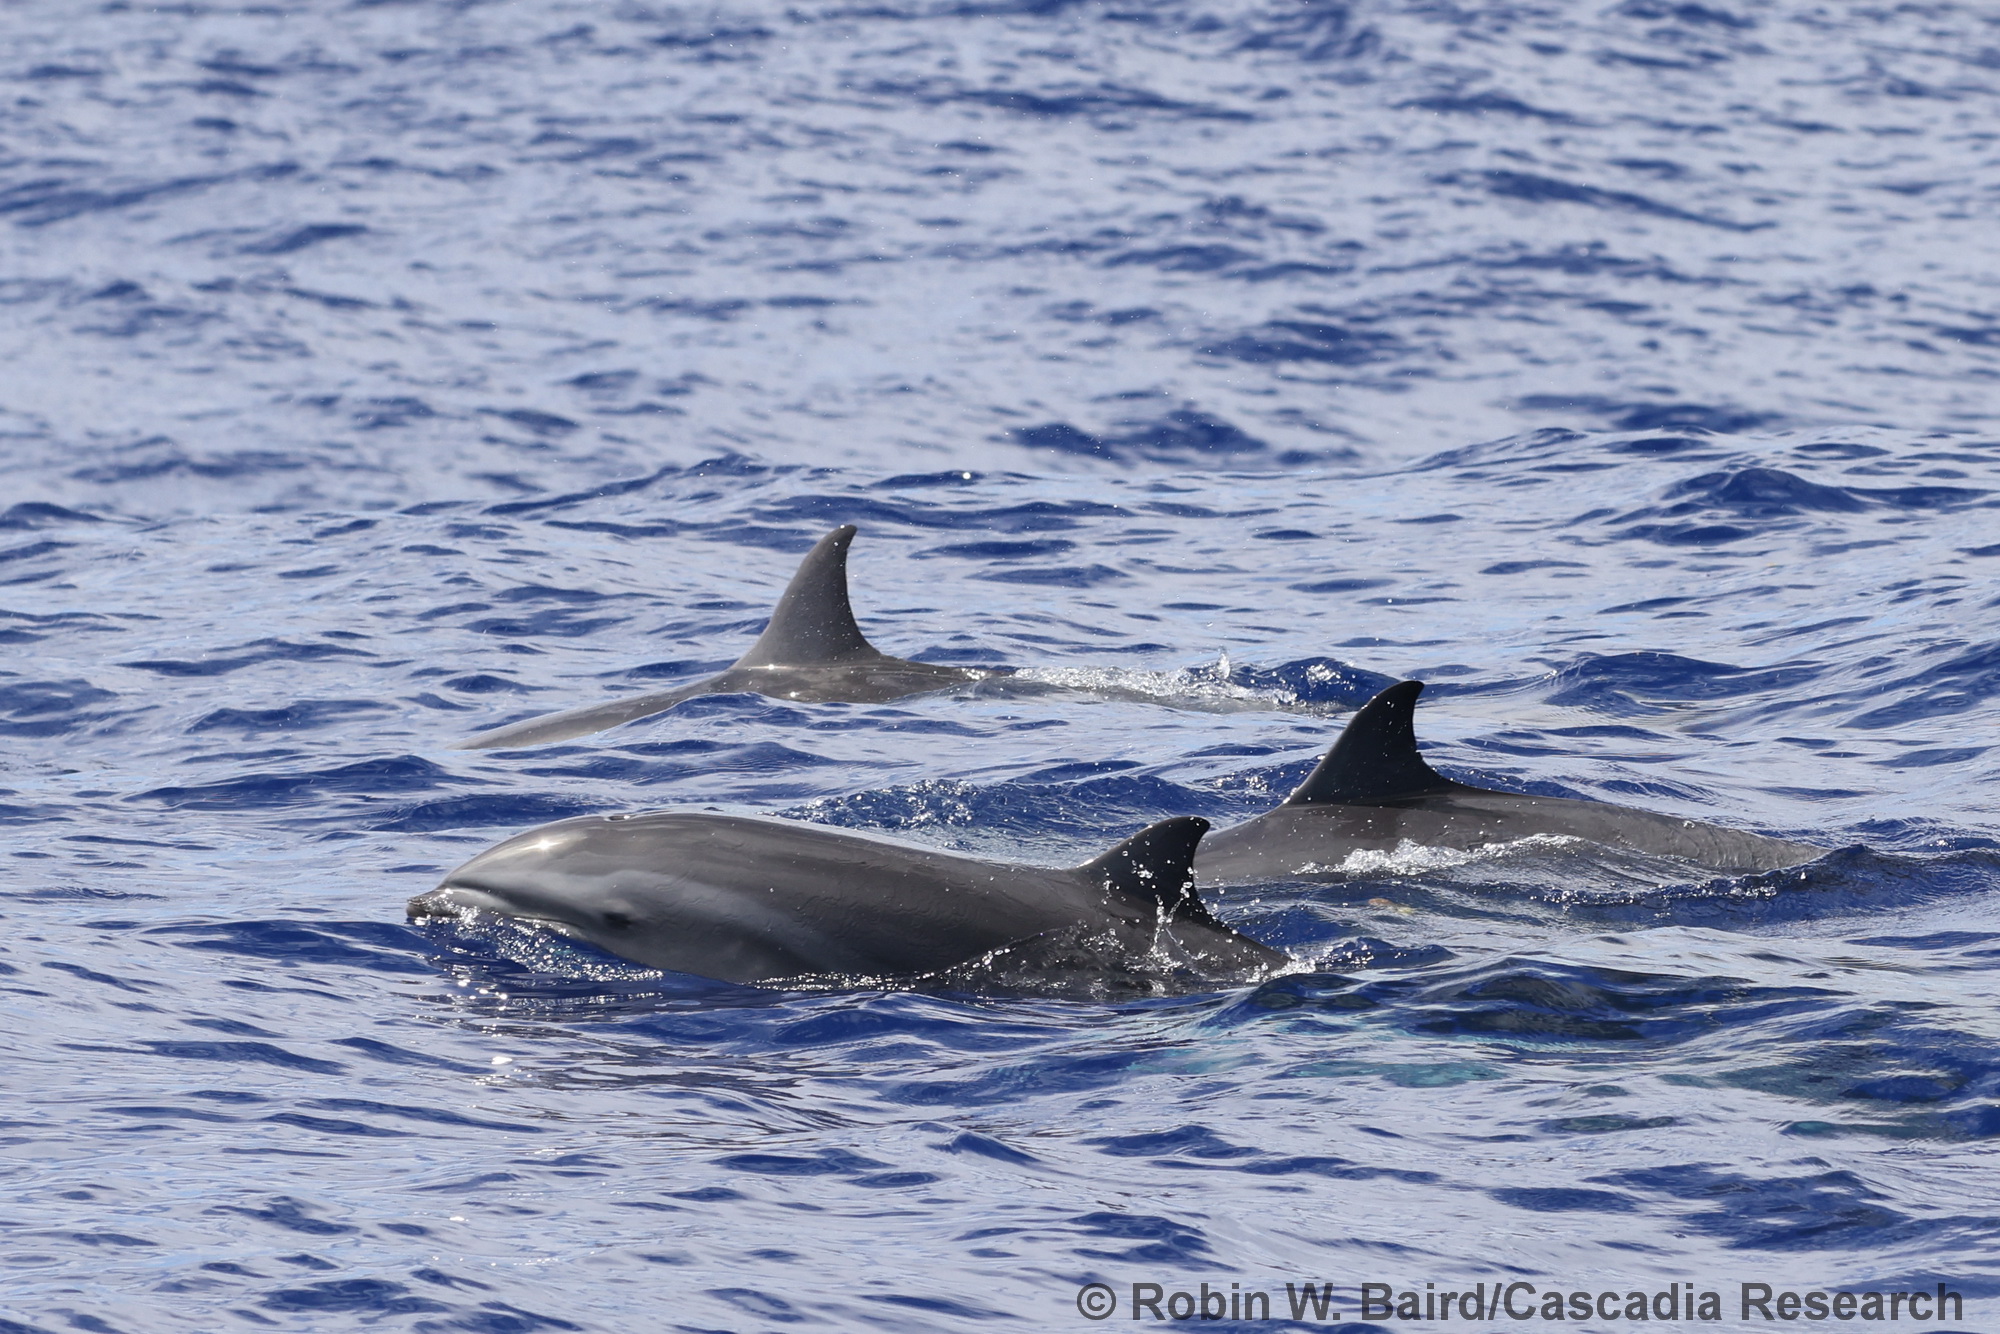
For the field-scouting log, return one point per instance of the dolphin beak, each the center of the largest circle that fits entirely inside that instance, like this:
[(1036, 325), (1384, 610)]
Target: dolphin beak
[(437, 903), (454, 901)]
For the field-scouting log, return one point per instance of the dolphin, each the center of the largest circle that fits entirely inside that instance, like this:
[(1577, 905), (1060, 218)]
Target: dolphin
[(812, 650), (749, 899), (1373, 790)]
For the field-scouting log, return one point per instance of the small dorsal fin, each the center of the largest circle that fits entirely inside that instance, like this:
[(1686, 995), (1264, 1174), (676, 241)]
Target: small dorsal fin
[(1375, 759), (1156, 864), (813, 622)]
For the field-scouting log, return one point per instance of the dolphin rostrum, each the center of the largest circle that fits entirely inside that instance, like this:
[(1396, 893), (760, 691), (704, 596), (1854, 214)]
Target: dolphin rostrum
[(747, 899), (1373, 791), (812, 651)]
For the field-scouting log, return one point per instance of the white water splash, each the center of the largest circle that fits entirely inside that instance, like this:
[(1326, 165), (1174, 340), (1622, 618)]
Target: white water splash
[(1409, 858), (1206, 688)]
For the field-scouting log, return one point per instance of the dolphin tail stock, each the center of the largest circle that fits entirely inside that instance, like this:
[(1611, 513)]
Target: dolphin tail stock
[(1157, 865), (1375, 759), (814, 622)]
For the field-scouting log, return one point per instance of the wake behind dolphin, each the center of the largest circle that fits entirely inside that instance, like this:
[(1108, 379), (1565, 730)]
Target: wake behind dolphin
[(744, 899), (1374, 792), (812, 651)]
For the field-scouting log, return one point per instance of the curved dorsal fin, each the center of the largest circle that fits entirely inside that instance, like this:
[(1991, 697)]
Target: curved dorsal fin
[(1156, 865), (813, 622), (1375, 759)]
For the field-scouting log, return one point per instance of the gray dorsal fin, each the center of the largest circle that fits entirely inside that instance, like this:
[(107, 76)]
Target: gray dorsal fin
[(1157, 865), (813, 622), (1375, 759)]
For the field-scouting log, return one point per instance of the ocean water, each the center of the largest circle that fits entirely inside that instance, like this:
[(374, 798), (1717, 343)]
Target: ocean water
[(372, 374)]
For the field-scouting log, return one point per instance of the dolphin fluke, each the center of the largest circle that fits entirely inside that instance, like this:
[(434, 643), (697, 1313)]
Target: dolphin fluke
[(1157, 865), (1375, 759), (814, 622)]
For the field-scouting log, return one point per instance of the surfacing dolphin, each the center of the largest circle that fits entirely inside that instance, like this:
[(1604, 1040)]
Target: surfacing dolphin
[(1374, 791), (811, 651), (746, 899)]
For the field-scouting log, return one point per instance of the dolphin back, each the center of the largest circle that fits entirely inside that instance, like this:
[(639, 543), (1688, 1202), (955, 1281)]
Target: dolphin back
[(1373, 790), (754, 899)]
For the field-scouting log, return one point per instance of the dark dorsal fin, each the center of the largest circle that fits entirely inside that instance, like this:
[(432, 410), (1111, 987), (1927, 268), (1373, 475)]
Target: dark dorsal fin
[(1375, 759), (1156, 865), (813, 622)]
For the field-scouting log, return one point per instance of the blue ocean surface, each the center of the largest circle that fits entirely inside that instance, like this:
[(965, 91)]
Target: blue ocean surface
[(375, 373)]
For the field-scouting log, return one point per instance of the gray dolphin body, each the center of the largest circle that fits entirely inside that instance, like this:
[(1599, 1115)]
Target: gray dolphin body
[(745, 899), (812, 650), (1374, 791)]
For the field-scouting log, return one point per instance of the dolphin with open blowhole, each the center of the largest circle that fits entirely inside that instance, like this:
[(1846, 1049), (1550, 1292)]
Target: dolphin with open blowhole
[(754, 899), (1374, 791), (811, 651)]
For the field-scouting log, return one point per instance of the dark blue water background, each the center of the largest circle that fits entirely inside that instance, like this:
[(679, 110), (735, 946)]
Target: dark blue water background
[(376, 373)]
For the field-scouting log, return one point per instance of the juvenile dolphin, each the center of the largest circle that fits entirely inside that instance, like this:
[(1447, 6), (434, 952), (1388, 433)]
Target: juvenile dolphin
[(1374, 791), (745, 899), (812, 650)]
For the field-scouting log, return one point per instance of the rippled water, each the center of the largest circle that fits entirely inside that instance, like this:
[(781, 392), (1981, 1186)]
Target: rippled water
[(379, 374)]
